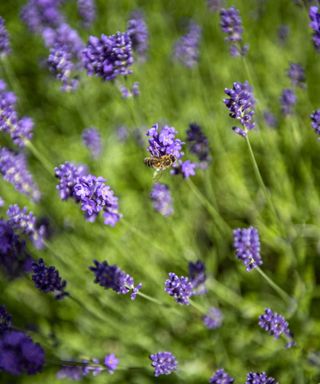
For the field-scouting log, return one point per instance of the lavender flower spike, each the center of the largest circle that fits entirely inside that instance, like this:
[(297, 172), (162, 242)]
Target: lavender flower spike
[(221, 377), (246, 243), (162, 199), (5, 48), (163, 363), (92, 140), (297, 75), (259, 378), (179, 287), (111, 362), (315, 26), (186, 49), (197, 277), (5, 319), (288, 99), (198, 145), (213, 319), (214, 5), (138, 32), (87, 11), (315, 121)]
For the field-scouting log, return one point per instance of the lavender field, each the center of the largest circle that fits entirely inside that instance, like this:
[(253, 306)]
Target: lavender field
[(159, 193)]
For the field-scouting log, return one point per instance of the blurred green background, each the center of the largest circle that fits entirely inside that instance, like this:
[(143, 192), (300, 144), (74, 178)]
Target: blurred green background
[(147, 245)]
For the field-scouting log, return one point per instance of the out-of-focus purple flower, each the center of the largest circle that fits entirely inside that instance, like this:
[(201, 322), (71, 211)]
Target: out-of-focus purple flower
[(163, 142), (186, 49), (25, 222), (162, 199), (111, 362), (138, 32), (259, 378), (13, 168), (198, 145), (108, 56), (231, 24), (246, 243), (92, 366), (92, 140), (5, 48), (19, 354), (297, 75), (180, 288), (315, 121), (197, 277), (5, 319), (241, 104), (276, 325), (213, 319), (68, 175), (47, 279), (112, 277), (70, 372), (87, 12), (1, 202), (135, 291), (315, 26), (221, 377), (163, 363), (214, 5), (122, 133), (270, 119), (283, 32), (287, 100), (127, 93)]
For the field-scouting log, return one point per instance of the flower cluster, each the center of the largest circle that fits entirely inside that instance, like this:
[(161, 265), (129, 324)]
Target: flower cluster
[(198, 145), (138, 32), (109, 56), (5, 48), (112, 277), (214, 5), (47, 279), (179, 287), (221, 377), (288, 99), (315, 25), (270, 119), (87, 11), (5, 319), (260, 378), (246, 243), (111, 362), (162, 199), (241, 106), (127, 93), (163, 363), (231, 24), (13, 168), (213, 319), (92, 140), (315, 121), (297, 75), (68, 174), (197, 277), (186, 49)]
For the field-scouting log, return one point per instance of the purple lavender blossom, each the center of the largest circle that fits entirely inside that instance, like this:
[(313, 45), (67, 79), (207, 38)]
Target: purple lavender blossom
[(214, 5), (47, 279), (221, 377), (297, 75), (231, 24), (19, 354), (127, 93), (185, 168), (197, 277), (241, 104), (109, 56), (91, 366), (135, 291), (68, 175), (246, 243), (315, 121), (92, 140), (287, 100), (162, 199), (87, 12), (5, 319), (315, 26), (112, 277), (198, 145), (111, 362), (164, 142), (138, 32), (283, 32), (259, 378), (164, 363), (179, 287), (186, 49), (13, 168), (70, 372), (270, 119), (276, 325), (122, 133), (5, 48), (213, 319)]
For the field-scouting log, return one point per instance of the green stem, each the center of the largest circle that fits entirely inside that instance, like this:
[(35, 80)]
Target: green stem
[(14, 84), (45, 163), (152, 299), (198, 307)]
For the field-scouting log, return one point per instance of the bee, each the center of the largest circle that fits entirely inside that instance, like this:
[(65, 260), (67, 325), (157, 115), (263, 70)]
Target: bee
[(160, 163)]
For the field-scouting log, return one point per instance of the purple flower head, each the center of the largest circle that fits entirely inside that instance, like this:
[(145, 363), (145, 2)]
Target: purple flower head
[(91, 366), (109, 56), (68, 175), (198, 144), (184, 168), (213, 319), (283, 32), (231, 24), (297, 75), (163, 363), (214, 5), (127, 93), (24, 222), (5, 48), (197, 277), (87, 12), (186, 49), (70, 372), (270, 119), (138, 32), (162, 199), (179, 287), (13, 168), (47, 279), (92, 140), (315, 121), (315, 26), (111, 362), (246, 243), (112, 277), (241, 104), (276, 325), (19, 354), (260, 378), (288, 99), (5, 319), (164, 142), (135, 291), (221, 377)]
